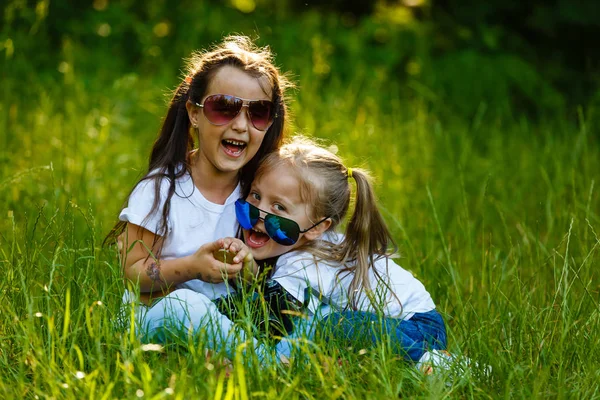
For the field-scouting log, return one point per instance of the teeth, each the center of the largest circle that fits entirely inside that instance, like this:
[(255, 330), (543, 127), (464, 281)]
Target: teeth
[(234, 142)]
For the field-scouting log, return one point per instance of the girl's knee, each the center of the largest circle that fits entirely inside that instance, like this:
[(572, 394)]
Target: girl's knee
[(180, 305), (187, 296)]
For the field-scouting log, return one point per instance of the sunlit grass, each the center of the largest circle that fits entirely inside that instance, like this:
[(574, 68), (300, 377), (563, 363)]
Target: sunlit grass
[(498, 218)]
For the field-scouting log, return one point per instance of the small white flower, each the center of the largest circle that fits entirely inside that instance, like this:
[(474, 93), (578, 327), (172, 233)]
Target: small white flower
[(152, 347), (139, 393), (362, 351), (79, 374), (65, 385), (169, 391), (38, 314)]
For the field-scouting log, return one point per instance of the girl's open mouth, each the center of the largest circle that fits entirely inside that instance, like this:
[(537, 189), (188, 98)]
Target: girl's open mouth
[(233, 148), (256, 239)]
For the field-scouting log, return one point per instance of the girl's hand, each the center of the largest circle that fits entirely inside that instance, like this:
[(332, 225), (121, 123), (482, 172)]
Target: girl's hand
[(209, 264), (235, 251)]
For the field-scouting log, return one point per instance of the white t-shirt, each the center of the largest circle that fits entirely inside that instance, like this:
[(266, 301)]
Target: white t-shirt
[(192, 222), (296, 271)]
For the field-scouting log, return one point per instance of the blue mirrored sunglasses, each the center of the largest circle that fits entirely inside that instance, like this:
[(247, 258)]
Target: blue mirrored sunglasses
[(282, 230)]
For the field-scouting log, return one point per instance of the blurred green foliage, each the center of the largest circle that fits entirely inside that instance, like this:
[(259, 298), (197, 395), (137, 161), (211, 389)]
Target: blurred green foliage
[(510, 57), (486, 176)]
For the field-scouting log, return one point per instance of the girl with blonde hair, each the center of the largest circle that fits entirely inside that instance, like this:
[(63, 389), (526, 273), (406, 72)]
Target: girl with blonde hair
[(298, 199)]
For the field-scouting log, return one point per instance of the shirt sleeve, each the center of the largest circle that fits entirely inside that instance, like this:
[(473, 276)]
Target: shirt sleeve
[(293, 278), (140, 204), (300, 275)]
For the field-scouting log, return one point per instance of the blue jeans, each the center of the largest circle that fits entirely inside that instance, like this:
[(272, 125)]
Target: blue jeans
[(409, 338), (184, 312)]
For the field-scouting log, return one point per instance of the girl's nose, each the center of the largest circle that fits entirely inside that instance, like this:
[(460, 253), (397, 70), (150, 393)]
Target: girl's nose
[(242, 121), (260, 225)]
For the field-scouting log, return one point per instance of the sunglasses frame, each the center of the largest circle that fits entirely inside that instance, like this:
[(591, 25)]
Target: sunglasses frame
[(245, 103), (268, 214)]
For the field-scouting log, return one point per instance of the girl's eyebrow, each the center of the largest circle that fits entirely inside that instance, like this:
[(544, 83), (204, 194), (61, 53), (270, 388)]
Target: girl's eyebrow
[(274, 196), (285, 200)]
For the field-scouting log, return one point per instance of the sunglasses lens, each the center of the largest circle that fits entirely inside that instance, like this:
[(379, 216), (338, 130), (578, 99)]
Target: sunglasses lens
[(220, 109), (247, 215), (282, 230), (261, 114)]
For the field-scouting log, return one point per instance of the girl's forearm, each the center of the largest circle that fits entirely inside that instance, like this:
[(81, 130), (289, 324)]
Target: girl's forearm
[(152, 275)]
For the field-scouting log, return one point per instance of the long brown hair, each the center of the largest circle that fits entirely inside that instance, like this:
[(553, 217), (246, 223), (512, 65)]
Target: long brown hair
[(170, 154), (325, 186)]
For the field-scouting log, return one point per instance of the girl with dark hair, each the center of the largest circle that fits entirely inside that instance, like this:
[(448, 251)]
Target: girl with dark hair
[(228, 112)]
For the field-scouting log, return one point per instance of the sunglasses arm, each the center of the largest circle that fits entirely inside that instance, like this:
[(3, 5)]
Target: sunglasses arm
[(318, 223)]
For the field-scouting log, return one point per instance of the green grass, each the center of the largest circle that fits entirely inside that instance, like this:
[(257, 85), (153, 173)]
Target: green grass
[(498, 217)]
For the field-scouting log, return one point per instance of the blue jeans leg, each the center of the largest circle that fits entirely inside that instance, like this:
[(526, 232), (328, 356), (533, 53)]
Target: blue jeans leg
[(304, 329), (409, 338), (184, 312)]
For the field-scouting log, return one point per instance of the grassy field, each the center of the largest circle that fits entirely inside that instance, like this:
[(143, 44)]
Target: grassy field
[(499, 217)]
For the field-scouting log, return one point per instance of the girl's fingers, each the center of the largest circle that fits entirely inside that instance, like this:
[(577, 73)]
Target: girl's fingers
[(239, 245), (212, 246), (226, 243), (220, 272), (241, 255), (231, 269), (232, 244)]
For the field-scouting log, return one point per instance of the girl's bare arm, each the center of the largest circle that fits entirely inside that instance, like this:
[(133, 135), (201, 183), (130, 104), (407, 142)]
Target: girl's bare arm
[(156, 275)]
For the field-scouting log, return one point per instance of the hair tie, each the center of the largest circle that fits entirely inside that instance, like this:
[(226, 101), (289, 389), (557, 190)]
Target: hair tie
[(349, 172)]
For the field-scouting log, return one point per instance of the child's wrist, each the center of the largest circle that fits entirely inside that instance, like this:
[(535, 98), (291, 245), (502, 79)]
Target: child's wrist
[(191, 266)]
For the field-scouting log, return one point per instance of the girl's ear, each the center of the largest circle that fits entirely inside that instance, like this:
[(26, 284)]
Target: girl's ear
[(193, 113), (318, 230)]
